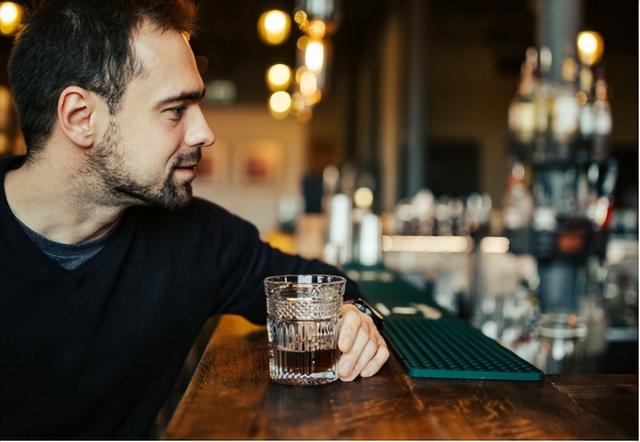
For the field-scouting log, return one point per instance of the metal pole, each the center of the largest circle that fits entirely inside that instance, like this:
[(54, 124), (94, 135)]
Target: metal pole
[(416, 154), (558, 24)]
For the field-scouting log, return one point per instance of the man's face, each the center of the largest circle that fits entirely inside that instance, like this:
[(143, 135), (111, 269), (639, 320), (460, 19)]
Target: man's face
[(153, 143)]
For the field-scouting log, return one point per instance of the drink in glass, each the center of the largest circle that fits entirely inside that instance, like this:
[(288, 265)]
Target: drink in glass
[(303, 312)]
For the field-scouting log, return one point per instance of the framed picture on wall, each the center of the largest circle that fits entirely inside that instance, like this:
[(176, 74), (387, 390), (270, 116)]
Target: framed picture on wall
[(259, 162)]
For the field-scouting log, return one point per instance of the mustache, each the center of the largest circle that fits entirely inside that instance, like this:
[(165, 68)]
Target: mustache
[(190, 157)]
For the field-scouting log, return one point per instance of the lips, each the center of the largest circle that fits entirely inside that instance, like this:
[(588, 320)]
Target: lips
[(188, 160), (185, 171), (187, 165)]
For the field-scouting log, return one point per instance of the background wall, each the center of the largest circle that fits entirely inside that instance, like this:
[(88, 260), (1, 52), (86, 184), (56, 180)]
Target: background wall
[(253, 194)]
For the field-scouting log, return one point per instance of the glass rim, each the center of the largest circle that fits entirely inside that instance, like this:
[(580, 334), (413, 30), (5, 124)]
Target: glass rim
[(295, 279)]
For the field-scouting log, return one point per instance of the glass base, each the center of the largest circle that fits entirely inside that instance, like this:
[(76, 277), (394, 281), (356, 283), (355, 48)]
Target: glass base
[(303, 368), (304, 380)]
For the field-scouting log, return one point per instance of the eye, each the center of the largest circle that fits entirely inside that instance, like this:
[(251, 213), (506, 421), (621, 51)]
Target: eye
[(176, 112)]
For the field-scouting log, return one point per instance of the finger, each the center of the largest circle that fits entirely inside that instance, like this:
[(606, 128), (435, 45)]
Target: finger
[(348, 360), (377, 361), (369, 352), (350, 325)]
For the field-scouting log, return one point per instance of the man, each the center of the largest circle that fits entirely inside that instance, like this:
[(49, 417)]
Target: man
[(109, 268)]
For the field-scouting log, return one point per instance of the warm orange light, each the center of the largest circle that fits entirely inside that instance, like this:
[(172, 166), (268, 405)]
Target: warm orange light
[(314, 55), (313, 99), (10, 17), (280, 104), (302, 42), (274, 27), (590, 47), (308, 83), (317, 29), (300, 17), (278, 77)]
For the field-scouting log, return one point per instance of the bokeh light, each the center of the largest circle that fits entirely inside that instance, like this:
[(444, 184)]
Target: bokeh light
[(279, 104), (10, 17), (363, 198), (314, 55), (590, 47), (278, 77), (274, 27)]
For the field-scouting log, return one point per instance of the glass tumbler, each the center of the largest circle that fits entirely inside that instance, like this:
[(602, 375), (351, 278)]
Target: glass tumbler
[(303, 312)]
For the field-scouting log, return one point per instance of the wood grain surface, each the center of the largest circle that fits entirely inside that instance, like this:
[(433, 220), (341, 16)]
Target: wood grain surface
[(231, 397)]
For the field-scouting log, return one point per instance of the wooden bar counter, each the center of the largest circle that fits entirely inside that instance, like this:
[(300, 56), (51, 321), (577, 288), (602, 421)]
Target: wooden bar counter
[(231, 397)]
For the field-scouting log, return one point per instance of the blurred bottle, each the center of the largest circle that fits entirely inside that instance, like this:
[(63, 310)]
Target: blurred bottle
[(602, 121), (477, 215), (522, 116), (423, 205), (564, 115), (348, 178), (568, 203), (444, 222), (456, 212), (415, 216), (542, 101), (369, 251), (584, 97), (518, 204), (402, 218), (544, 224), (330, 181), (339, 247)]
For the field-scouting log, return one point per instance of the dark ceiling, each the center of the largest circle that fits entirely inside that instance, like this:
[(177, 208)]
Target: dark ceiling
[(228, 36)]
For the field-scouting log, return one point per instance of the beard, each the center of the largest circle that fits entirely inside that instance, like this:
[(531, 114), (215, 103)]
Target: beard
[(121, 185)]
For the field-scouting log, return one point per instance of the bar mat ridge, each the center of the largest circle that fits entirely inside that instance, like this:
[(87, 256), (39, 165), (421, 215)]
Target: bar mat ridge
[(447, 347), (450, 348)]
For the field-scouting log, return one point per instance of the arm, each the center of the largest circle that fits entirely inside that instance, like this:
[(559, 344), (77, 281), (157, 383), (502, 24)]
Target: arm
[(364, 351)]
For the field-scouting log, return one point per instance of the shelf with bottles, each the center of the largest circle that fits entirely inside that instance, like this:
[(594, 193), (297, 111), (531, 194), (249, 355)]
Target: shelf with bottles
[(563, 213), (559, 201), (425, 215), (565, 121)]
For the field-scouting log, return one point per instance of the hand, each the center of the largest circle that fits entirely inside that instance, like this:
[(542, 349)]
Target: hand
[(364, 351)]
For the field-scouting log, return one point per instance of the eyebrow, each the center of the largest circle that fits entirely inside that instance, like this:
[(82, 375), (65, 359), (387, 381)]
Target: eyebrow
[(183, 96)]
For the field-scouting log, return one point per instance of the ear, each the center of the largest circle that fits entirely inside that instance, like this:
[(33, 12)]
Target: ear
[(77, 114)]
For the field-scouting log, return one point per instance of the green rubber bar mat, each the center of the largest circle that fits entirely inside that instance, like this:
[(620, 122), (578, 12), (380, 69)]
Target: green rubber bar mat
[(446, 347), (450, 348), (393, 293)]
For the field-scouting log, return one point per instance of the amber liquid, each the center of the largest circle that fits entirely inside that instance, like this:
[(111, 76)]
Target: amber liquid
[(306, 362)]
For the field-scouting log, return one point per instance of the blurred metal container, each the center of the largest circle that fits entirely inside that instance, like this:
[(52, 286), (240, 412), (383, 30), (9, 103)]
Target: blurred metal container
[(370, 240), (338, 249)]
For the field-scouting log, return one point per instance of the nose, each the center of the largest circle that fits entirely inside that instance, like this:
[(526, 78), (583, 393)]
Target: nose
[(199, 133)]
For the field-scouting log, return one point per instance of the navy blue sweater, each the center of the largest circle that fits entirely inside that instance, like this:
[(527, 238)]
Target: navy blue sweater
[(93, 352)]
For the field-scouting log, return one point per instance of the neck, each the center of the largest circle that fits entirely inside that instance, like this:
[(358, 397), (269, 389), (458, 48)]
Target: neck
[(50, 198)]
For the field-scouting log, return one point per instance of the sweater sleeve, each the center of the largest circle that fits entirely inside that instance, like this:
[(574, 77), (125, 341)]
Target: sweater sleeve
[(247, 261)]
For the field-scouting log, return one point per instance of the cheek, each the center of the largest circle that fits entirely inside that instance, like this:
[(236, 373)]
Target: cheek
[(152, 146)]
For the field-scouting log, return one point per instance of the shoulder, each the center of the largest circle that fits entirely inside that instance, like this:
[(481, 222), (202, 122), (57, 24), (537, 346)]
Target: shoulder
[(196, 208), (200, 215), (207, 211)]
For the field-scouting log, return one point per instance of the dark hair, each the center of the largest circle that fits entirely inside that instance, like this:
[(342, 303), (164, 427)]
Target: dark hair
[(85, 43)]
